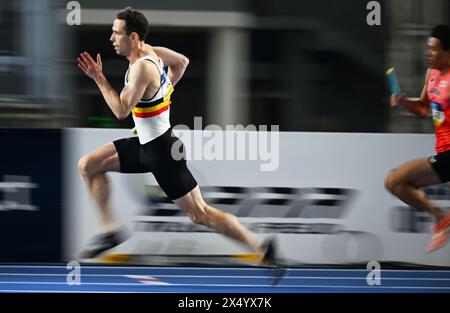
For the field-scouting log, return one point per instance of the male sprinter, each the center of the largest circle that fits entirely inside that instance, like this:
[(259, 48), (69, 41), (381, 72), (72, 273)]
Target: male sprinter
[(146, 95), (406, 180)]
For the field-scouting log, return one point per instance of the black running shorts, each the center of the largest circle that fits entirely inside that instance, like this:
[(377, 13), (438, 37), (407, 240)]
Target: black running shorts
[(441, 165), (171, 173)]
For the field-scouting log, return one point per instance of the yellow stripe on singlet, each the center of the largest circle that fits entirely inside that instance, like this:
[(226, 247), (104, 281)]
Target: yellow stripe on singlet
[(166, 102), (152, 109)]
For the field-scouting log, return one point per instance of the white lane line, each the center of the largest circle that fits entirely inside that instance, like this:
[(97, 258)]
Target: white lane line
[(86, 291), (224, 268), (147, 280), (230, 285), (228, 276)]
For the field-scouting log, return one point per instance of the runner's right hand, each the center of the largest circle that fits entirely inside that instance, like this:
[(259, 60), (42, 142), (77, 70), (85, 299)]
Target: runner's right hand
[(89, 66), (397, 101)]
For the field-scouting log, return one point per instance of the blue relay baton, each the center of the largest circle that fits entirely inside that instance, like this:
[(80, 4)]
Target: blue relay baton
[(393, 82)]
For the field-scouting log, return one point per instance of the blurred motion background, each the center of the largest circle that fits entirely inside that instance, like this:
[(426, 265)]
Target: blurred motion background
[(307, 66), (304, 65)]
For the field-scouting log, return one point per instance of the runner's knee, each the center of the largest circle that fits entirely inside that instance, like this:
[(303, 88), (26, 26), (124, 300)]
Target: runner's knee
[(199, 213), (389, 182), (393, 183), (87, 166)]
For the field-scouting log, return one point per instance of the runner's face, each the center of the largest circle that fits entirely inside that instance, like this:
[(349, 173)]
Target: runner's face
[(119, 38), (437, 57)]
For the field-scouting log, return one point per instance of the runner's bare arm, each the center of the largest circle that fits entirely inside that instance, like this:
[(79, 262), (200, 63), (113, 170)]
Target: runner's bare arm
[(121, 105), (419, 107), (176, 62)]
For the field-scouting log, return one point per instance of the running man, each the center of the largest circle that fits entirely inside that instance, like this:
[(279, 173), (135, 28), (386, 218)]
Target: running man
[(146, 95), (406, 180)]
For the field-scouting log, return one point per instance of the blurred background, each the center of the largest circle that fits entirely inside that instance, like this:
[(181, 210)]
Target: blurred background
[(307, 66), (303, 65)]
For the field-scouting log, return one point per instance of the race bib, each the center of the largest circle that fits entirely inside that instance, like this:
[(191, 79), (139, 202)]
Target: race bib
[(437, 113)]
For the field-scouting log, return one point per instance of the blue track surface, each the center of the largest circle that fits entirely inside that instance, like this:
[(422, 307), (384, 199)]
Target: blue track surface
[(217, 280)]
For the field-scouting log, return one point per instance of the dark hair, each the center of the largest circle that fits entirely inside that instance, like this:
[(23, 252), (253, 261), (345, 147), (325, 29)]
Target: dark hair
[(442, 32), (135, 21)]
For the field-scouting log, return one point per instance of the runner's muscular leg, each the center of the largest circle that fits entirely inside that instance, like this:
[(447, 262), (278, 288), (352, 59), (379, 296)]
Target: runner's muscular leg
[(406, 180), (93, 168), (201, 213)]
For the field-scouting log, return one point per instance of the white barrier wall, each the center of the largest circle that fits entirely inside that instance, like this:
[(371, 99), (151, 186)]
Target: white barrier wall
[(326, 200)]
